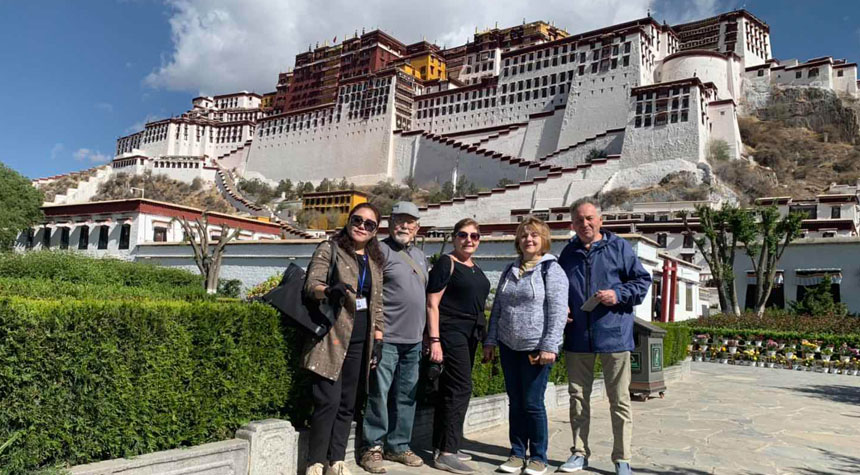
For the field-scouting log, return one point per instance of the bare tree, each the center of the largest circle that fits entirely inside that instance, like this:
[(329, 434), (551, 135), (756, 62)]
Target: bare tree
[(209, 263)]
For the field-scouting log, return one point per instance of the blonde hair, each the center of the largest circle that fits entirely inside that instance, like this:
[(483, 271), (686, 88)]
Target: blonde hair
[(535, 224)]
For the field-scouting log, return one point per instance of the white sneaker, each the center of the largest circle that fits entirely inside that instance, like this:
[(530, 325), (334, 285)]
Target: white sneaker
[(315, 469), (338, 468)]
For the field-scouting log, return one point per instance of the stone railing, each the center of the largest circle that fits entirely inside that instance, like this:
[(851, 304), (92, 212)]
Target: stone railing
[(274, 447)]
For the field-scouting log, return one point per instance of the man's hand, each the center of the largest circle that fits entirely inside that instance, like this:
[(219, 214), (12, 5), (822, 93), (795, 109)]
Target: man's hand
[(489, 353), (607, 297), (546, 357), (376, 354), (569, 319)]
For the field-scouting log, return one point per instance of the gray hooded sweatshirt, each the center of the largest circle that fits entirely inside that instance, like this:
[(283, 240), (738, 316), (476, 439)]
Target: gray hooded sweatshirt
[(527, 316)]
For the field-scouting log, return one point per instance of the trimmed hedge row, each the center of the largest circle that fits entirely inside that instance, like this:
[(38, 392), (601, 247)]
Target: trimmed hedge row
[(55, 289), (852, 339), (675, 343), (74, 267), (82, 381)]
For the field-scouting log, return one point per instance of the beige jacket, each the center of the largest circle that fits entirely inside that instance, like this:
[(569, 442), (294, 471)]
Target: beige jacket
[(325, 356)]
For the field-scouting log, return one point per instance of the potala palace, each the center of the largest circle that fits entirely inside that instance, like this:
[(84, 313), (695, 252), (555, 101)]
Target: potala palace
[(556, 116)]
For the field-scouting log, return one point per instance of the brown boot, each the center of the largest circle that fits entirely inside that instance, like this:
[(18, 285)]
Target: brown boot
[(372, 460)]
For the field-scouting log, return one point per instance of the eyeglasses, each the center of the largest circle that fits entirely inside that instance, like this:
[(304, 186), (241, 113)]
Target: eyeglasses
[(369, 225), (464, 235)]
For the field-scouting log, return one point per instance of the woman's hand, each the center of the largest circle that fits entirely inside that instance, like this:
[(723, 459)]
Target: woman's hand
[(436, 351), (546, 357), (489, 353)]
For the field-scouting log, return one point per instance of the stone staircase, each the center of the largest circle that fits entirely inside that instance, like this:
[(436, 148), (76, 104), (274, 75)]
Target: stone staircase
[(226, 185), (83, 190)]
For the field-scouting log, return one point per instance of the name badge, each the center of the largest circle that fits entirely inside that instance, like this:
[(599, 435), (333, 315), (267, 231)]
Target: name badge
[(361, 303)]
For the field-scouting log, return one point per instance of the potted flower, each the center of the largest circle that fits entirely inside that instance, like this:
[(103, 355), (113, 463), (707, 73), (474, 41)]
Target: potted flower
[(724, 356), (826, 353), (732, 346), (789, 351), (845, 352), (771, 348), (808, 347), (758, 342), (702, 339)]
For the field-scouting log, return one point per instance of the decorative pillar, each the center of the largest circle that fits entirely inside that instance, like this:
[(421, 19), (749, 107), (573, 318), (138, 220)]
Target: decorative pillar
[(674, 285), (664, 290)]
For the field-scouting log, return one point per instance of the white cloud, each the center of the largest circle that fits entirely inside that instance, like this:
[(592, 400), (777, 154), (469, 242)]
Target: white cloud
[(104, 106), (91, 156), (56, 150), (222, 46)]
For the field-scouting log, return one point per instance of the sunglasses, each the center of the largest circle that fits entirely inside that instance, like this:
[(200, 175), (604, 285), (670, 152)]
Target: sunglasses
[(464, 235), (357, 221)]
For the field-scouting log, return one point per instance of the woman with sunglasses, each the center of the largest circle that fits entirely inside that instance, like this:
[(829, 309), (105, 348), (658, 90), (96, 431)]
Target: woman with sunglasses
[(342, 358), (457, 293)]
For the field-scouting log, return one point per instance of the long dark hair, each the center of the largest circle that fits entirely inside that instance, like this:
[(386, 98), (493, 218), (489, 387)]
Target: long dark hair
[(344, 241)]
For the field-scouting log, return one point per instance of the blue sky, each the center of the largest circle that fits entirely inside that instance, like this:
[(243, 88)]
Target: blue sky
[(78, 74)]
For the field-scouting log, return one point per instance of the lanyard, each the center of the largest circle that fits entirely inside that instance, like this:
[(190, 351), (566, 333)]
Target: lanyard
[(361, 278)]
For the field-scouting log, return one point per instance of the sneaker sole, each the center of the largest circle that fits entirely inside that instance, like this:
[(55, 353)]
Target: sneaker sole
[(509, 469), (448, 468), (529, 471), (377, 471), (569, 470)]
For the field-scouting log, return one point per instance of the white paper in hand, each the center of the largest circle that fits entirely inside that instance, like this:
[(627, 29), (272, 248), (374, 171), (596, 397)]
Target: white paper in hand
[(590, 304)]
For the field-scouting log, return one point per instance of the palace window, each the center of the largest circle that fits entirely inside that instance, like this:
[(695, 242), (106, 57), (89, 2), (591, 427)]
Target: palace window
[(835, 212), (64, 238), (84, 238), (46, 238), (124, 236), (798, 75), (159, 234), (103, 237)]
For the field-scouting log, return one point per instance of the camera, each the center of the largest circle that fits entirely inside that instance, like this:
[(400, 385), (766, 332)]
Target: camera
[(433, 371)]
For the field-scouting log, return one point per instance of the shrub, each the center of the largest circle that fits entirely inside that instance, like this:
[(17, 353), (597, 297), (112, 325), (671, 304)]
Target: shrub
[(84, 380), (263, 287), (230, 288), (77, 268), (55, 289), (678, 336)]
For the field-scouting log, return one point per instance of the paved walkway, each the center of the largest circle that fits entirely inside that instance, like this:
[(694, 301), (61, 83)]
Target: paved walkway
[(721, 419)]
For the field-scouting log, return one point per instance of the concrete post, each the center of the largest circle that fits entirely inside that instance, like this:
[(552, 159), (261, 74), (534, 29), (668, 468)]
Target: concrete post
[(273, 447)]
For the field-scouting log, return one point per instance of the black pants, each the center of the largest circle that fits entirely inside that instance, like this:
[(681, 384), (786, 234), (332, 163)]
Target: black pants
[(459, 343), (334, 408)]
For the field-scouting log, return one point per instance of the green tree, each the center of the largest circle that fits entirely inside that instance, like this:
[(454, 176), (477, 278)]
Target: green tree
[(765, 235), (326, 185), (307, 187), (818, 301), (20, 205), (286, 187), (718, 244)]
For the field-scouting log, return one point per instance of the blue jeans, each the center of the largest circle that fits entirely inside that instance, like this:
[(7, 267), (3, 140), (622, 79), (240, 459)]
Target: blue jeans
[(396, 373), (525, 384)]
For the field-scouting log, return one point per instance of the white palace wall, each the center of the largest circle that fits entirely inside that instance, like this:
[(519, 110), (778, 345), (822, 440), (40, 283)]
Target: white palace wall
[(541, 135), (707, 66), (724, 120), (681, 140), (611, 142), (554, 190)]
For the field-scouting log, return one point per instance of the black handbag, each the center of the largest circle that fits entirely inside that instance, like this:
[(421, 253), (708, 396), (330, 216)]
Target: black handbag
[(308, 315)]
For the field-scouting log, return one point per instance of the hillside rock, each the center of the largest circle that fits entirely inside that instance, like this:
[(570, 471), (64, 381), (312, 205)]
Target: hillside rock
[(813, 108)]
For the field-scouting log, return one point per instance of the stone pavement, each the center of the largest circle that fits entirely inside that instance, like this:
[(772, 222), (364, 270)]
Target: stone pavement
[(721, 419)]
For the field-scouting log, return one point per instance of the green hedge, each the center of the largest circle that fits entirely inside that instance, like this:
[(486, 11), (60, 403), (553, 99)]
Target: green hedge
[(852, 339), (55, 289), (82, 381), (675, 343), (74, 267)]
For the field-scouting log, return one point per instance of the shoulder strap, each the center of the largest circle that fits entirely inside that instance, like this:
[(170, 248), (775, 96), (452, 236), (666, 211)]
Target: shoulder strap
[(544, 269), (418, 270)]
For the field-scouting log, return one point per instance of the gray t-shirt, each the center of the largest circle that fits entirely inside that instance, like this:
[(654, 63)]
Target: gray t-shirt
[(404, 294)]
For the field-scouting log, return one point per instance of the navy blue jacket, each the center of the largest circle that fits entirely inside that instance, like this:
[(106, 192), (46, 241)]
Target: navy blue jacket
[(609, 264)]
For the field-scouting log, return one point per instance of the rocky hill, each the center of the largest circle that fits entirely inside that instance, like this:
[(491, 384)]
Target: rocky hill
[(161, 188), (806, 139)]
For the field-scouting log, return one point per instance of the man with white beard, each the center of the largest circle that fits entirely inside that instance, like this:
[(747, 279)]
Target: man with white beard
[(404, 303)]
